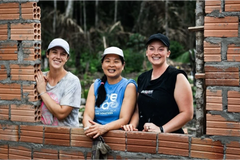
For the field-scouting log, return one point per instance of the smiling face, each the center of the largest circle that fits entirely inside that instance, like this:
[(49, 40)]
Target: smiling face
[(157, 53), (112, 66), (57, 57)]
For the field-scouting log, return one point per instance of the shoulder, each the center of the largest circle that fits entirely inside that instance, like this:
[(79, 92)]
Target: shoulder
[(72, 76), (145, 74), (174, 71)]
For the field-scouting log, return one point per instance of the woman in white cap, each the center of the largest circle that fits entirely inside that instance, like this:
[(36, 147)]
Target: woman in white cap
[(59, 89), (111, 100), (165, 102)]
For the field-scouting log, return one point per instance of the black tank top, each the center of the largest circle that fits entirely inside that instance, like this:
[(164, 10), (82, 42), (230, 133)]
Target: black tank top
[(156, 98)]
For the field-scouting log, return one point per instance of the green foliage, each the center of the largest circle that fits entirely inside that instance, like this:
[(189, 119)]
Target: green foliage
[(134, 61), (176, 49), (136, 41), (183, 58)]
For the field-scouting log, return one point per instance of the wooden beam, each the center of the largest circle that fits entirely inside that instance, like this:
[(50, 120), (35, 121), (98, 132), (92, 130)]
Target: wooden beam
[(196, 28)]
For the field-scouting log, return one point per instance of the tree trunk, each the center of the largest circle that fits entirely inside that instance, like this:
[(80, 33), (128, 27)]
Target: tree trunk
[(166, 18), (96, 14), (69, 9), (136, 28), (200, 92), (115, 13), (84, 17), (54, 17)]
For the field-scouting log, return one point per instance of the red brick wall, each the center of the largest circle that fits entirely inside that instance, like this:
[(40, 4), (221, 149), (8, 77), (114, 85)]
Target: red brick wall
[(22, 136)]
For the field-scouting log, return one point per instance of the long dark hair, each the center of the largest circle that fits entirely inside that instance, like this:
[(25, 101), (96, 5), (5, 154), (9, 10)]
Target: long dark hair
[(101, 93)]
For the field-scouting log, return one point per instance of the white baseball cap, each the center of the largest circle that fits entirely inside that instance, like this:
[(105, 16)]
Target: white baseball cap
[(59, 42), (113, 50)]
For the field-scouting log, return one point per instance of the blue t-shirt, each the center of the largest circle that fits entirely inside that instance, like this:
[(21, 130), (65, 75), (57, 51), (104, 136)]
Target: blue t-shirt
[(110, 109)]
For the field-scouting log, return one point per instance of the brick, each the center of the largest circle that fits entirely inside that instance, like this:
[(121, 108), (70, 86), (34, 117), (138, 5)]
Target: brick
[(233, 101), (12, 156), (218, 118), (3, 37), (20, 150), (143, 149), (23, 77), (212, 58), (31, 57), (206, 155), (31, 128), (217, 93), (209, 9), (86, 144), (26, 26), (221, 68), (3, 31), (28, 5), (115, 133), (233, 149), (23, 71), (4, 111), (9, 5), (232, 7), (25, 118), (57, 136), (141, 142), (206, 148), (31, 139), (173, 144), (230, 156), (212, 5), (223, 132), (221, 26), (9, 16), (29, 10), (212, 99), (233, 108), (221, 75), (173, 151), (8, 57), (109, 140), (80, 138), (31, 16), (23, 107), (46, 155), (222, 82), (29, 87), (16, 66), (23, 113), (221, 33), (51, 129), (232, 2), (58, 141), (214, 107), (9, 11), (206, 141), (141, 135), (117, 147), (173, 137), (227, 19), (3, 150)]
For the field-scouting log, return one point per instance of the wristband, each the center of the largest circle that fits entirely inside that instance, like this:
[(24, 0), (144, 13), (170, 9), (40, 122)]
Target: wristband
[(161, 129), (42, 93)]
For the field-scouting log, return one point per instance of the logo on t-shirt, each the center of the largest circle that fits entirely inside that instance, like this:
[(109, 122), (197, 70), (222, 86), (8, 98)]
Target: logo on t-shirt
[(110, 102), (147, 92)]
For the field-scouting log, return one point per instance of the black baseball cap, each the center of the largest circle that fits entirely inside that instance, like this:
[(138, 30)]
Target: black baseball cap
[(160, 37)]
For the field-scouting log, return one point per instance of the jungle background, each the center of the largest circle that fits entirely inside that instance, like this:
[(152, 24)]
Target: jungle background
[(91, 26)]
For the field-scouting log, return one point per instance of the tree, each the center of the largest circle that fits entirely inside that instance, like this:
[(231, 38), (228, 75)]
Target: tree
[(69, 9)]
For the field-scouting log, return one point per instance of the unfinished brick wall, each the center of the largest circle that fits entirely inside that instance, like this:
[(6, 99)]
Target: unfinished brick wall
[(22, 136)]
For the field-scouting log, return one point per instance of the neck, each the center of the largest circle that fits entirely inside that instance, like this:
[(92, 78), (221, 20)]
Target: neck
[(158, 71), (54, 76), (114, 80)]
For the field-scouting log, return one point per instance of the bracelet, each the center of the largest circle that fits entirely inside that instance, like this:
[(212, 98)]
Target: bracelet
[(42, 93), (161, 129)]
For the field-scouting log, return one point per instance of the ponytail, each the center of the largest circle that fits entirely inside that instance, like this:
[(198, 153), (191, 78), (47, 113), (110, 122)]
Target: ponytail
[(101, 93)]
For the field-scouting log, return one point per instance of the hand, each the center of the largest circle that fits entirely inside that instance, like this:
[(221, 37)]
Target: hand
[(95, 130), (129, 127), (41, 82), (151, 127)]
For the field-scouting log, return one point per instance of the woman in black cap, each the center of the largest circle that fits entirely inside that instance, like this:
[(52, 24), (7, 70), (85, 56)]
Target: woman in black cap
[(165, 102)]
